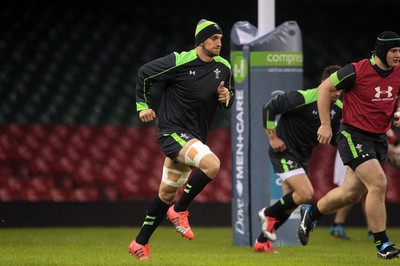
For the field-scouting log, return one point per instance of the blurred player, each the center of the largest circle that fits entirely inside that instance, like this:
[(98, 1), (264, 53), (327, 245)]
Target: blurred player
[(291, 145)]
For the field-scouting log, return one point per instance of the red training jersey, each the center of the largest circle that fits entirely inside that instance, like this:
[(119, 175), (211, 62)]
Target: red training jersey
[(369, 103)]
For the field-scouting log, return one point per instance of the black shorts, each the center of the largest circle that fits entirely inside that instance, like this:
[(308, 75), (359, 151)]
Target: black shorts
[(171, 144), (357, 146), (287, 160)]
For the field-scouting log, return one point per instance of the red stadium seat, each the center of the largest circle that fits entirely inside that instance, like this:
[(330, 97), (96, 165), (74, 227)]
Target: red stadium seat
[(321, 171), (31, 194), (135, 133), (101, 142), (8, 194), (15, 183), (96, 153), (41, 183), (32, 142), (112, 132), (85, 174), (65, 182), (115, 164), (40, 131), (119, 153), (87, 132), (83, 194), (77, 141), (107, 175), (130, 187), (65, 165), (73, 153), (8, 142), (127, 143), (55, 141), (62, 130), (111, 193), (58, 194), (48, 153), (40, 166), (23, 153), (15, 130)]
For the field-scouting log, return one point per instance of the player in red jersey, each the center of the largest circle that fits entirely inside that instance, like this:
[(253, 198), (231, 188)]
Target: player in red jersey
[(371, 89)]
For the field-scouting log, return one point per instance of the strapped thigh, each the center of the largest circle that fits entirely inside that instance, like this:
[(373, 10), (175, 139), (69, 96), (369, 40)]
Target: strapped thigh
[(170, 175), (195, 153)]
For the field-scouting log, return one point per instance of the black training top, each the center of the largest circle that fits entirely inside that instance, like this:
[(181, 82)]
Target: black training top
[(299, 121), (190, 98)]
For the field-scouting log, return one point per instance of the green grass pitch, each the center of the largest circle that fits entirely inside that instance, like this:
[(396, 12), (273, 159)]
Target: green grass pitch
[(212, 246)]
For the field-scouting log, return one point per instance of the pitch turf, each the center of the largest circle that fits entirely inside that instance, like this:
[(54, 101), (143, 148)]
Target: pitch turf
[(212, 246)]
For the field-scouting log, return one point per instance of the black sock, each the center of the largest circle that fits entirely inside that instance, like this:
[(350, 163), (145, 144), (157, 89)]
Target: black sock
[(380, 238), (284, 203), (314, 214), (282, 218), (195, 185), (154, 216)]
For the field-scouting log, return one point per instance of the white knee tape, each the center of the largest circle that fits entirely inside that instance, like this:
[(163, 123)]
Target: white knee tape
[(195, 153), (183, 177)]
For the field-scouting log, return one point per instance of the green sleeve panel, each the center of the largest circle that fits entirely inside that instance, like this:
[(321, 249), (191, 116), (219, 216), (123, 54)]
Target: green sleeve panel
[(309, 95)]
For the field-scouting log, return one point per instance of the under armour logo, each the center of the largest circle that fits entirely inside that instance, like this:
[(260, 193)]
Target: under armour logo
[(217, 71), (365, 155), (379, 92), (314, 112), (192, 72)]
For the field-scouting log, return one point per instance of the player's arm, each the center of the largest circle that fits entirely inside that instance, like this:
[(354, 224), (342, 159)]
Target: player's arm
[(324, 133), (279, 105), (343, 78), (158, 70)]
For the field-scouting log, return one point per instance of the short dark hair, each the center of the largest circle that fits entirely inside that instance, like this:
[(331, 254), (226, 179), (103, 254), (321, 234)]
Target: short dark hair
[(329, 70)]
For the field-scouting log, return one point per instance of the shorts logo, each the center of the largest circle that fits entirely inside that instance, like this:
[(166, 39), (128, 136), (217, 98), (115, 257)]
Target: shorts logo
[(359, 148), (365, 155), (184, 136), (291, 164)]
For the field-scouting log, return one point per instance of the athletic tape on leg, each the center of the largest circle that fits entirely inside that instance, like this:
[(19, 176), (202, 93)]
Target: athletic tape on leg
[(180, 176), (195, 153)]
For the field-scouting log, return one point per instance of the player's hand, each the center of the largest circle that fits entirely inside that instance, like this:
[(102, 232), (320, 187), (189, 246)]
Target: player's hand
[(396, 120), (147, 115), (277, 144), (324, 134), (223, 94)]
